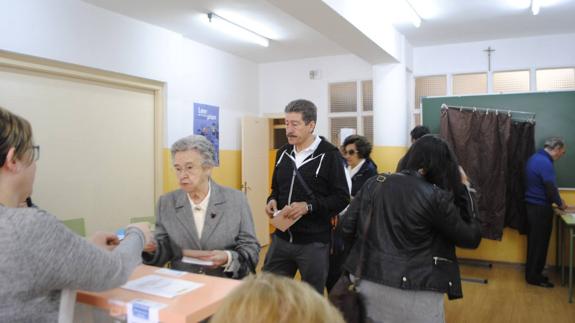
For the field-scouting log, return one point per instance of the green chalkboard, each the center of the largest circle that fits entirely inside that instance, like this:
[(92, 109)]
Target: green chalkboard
[(555, 116)]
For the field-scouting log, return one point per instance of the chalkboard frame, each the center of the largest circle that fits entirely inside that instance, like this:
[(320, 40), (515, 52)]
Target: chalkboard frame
[(554, 116)]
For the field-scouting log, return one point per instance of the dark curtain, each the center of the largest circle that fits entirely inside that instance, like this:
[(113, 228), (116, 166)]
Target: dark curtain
[(521, 147), (481, 142)]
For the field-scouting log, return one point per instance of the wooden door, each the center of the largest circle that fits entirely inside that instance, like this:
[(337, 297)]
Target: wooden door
[(98, 139), (255, 172)]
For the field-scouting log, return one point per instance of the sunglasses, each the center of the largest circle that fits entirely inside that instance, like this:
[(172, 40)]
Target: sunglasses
[(350, 152)]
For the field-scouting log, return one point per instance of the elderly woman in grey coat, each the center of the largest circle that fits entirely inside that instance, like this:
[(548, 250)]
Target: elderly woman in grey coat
[(203, 227)]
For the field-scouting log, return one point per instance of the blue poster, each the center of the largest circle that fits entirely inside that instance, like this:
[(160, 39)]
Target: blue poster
[(207, 124)]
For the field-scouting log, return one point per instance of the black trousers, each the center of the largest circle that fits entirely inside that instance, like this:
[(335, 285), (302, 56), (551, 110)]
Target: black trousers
[(312, 260), (337, 256), (539, 226)]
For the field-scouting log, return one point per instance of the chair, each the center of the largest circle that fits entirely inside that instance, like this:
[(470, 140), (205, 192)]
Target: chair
[(76, 225), (149, 219)]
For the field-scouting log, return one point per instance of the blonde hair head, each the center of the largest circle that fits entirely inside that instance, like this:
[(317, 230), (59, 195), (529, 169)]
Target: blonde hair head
[(15, 132), (267, 298)]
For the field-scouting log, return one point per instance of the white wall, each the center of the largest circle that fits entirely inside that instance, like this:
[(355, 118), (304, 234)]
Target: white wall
[(283, 82), (518, 53), (217, 78), (75, 32)]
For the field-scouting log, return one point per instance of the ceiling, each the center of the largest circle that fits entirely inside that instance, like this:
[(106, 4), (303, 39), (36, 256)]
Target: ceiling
[(457, 21), (309, 28)]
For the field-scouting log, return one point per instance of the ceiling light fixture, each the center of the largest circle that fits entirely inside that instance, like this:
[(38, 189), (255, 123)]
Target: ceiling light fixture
[(413, 16), (535, 7), (236, 30)]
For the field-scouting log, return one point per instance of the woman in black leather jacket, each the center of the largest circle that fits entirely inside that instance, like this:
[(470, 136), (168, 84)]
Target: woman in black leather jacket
[(418, 216)]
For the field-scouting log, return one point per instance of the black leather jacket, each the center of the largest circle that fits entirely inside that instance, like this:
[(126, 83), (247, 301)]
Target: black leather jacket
[(412, 234)]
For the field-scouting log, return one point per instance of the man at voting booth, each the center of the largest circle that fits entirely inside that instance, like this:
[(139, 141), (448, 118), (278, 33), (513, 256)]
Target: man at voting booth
[(540, 194), (308, 186)]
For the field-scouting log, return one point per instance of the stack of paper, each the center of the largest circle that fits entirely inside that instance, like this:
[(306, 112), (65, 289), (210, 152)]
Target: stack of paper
[(198, 257), (161, 286), (197, 261)]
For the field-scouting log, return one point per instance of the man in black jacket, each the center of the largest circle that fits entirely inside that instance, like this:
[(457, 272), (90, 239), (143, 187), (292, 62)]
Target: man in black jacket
[(311, 197)]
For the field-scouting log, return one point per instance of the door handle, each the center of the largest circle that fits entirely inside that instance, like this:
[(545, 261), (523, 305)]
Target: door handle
[(245, 188)]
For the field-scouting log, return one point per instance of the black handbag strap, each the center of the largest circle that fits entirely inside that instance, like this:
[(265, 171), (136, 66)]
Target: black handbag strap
[(380, 179), (306, 188)]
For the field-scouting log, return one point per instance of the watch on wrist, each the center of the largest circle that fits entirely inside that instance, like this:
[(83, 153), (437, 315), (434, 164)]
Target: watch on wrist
[(309, 208)]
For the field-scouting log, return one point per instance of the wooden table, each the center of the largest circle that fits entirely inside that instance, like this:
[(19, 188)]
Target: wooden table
[(194, 306), (565, 219)]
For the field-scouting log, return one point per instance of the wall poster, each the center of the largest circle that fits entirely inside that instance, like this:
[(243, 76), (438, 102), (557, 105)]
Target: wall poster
[(207, 124)]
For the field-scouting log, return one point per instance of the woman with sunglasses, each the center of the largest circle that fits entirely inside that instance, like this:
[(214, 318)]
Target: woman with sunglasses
[(40, 256), (356, 150)]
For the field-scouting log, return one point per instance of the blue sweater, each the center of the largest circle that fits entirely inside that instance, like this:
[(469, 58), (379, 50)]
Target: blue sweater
[(538, 171)]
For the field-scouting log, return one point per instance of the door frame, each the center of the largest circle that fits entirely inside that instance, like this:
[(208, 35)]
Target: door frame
[(52, 68)]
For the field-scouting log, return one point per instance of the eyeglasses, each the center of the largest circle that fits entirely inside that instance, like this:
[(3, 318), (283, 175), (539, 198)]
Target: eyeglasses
[(35, 153), (188, 169), (350, 152)]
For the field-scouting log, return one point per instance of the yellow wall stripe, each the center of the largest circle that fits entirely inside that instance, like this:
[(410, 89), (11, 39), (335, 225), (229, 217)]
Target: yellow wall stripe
[(512, 248), (387, 158)]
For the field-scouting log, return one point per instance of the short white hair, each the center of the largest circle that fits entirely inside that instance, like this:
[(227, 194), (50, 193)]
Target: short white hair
[(554, 142), (198, 143)]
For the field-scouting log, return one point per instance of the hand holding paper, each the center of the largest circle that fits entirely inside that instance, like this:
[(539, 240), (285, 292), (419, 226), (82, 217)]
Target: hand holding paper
[(210, 258), (145, 228), (283, 219), (150, 247), (296, 210), (271, 208), (105, 240)]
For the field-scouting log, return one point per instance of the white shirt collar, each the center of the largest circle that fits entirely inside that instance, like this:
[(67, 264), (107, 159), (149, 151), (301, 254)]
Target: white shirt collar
[(199, 211), (203, 205), (354, 170), (301, 156)]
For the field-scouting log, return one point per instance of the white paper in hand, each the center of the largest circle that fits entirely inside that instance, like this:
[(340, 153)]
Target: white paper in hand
[(197, 261)]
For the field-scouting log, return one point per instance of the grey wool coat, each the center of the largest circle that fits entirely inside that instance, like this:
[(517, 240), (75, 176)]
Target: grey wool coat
[(228, 226)]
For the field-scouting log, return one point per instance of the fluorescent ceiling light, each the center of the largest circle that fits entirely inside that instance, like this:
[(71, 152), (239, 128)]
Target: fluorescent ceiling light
[(413, 16), (236, 30), (535, 7)]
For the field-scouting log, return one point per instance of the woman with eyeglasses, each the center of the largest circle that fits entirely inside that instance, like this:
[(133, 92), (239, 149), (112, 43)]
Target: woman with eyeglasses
[(40, 256), (356, 150), (203, 227)]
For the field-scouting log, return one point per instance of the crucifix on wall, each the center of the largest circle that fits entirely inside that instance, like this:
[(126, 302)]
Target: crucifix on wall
[(489, 50)]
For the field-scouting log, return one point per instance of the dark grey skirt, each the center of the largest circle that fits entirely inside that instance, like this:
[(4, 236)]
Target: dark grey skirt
[(392, 305)]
